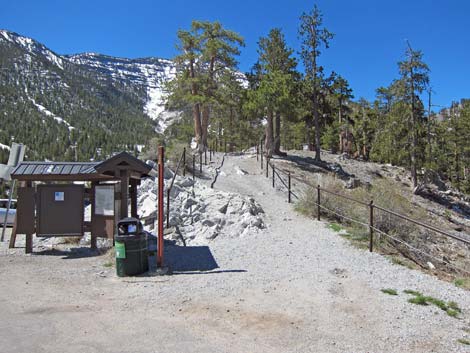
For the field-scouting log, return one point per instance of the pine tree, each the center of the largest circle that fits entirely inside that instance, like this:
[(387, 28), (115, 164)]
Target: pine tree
[(415, 78), (313, 37), (205, 50), (273, 81)]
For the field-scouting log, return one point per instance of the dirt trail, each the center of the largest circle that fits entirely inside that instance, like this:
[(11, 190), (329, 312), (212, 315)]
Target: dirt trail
[(295, 287)]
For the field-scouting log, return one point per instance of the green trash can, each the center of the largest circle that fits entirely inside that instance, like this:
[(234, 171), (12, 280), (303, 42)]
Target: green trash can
[(131, 248)]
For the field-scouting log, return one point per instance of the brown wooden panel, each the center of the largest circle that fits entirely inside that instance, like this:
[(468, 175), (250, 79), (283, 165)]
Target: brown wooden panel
[(25, 211), (60, 214), (102, 226)]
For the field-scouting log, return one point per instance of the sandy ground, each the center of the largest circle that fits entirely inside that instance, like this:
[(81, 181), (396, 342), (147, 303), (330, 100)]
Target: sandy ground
[(294, 287)]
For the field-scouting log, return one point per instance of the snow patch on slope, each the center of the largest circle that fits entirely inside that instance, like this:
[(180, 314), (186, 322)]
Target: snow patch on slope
[(48, 113), (33, 47), (151, 73)]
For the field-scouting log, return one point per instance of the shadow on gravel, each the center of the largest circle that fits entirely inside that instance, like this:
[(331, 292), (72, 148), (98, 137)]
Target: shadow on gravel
[(73, 253), (310, 165), (192, 260)]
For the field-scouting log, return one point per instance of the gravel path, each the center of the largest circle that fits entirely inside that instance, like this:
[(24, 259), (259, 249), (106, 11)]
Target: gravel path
[(294, 287)]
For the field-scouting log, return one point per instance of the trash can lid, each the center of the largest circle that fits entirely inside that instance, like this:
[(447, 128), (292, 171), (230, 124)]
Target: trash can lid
[(129, 226)]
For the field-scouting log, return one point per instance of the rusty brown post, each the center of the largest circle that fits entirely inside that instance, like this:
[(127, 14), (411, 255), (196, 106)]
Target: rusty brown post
[(93, 204), (124, 175), (289, 187), (318, 202), (161, 172), (371, 226), (29, 244), (184, 161)]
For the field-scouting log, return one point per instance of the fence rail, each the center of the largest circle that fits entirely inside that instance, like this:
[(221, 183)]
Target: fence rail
[(370, 206)]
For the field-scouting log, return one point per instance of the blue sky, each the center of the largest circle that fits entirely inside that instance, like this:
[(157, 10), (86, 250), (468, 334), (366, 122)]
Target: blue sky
[(370, 34)]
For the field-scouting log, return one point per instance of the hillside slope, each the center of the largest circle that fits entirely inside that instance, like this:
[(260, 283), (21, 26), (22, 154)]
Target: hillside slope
[(100, 104)]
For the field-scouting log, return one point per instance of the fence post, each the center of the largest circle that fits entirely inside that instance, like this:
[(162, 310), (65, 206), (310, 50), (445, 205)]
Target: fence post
[(184, 161), (168, 208), (288, 184), (261, 156), (210, 154), (371, 226), (194, 167), (225, 146), (274, 174), (257, 153), (318, 202), (205, 156), (267, 166), (161, 203), (200, 163)]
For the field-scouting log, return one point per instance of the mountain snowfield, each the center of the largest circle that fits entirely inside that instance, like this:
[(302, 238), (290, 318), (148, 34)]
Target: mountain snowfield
[(147, 73), (151, 73)]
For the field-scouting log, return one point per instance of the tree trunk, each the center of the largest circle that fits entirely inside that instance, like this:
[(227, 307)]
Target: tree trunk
[(414, 173), (268, 145), (277, 136), (317, 127), (197, 123), (230, 120), (205, 125), (196, 107), (340, 113)]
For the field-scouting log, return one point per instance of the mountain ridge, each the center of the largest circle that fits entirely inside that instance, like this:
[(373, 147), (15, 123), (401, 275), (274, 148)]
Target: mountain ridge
[(91, 97)]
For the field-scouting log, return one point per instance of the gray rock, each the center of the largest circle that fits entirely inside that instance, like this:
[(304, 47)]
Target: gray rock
[(208, 223), (352, 183)]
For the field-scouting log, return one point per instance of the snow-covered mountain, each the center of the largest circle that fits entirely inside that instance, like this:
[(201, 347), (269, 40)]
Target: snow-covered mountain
[(151, 73), (103, 100)]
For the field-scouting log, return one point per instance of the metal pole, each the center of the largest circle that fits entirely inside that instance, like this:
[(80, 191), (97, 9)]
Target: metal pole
[(318, 202), (261, 156), (257, 153), (371, 226), (210, 154), (13, 184), (168, 208), (200, 163), (274, 174), (184, 161), (267, 167), (161, 172), (225, 146), (205, 156), (289, 187), (194, 167)]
